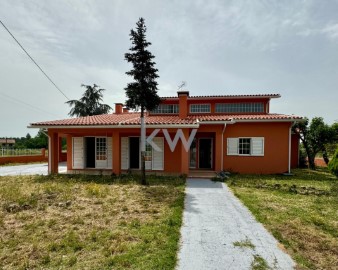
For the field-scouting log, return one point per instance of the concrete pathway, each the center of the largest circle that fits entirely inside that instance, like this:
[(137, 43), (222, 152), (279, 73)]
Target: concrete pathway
[(30, 169), (213, 220)]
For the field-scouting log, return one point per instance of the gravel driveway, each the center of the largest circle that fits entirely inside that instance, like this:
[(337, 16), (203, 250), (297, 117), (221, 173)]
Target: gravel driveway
[(219, 232), (30, 169)]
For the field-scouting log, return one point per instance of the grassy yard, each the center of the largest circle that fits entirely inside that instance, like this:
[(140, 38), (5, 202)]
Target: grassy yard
[(301, 211), (89, 222)]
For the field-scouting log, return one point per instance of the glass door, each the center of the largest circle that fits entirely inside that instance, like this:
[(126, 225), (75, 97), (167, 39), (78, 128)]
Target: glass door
[(193, 153), (101, 152), (205, 153)]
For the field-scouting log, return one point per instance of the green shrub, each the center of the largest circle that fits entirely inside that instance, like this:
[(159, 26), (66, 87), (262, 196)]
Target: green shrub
[(333, 164), (302, 158)]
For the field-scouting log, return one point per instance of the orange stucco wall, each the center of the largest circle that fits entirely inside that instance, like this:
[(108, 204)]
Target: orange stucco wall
[(184, 104), (275, 159), (276, 148), (174, 162)]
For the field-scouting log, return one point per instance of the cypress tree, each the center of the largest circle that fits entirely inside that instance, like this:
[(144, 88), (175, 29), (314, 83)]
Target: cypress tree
[(142, 92)]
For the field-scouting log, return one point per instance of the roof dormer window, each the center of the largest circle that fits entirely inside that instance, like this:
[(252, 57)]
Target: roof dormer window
[(200, 108), (254, 107), (166, 109)]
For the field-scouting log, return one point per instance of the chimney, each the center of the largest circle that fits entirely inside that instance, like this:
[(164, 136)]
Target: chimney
[(126, 110), (118, 108), (183, 103)]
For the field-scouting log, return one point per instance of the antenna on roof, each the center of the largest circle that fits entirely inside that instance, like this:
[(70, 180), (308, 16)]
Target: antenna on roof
[(183, 84)]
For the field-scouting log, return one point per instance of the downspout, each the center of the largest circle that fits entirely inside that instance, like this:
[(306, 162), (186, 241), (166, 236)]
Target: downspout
[(49, 155), (49, 152), (222, 158), (289, 163)]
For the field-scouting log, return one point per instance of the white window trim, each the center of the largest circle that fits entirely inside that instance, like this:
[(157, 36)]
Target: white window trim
[(200, 104), (251, 145), (107, 167), (163, 105), (106, 151), (251, 104)]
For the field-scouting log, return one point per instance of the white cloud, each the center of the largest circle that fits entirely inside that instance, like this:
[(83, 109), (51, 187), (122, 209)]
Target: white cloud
[(331, 30)]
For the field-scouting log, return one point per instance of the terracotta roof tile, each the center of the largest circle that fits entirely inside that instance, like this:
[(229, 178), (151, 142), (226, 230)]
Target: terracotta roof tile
[(134, 119), (229, 96)]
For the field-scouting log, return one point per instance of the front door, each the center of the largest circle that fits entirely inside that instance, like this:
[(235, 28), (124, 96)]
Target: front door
[(90, 152), (134, 152), (205, 153)]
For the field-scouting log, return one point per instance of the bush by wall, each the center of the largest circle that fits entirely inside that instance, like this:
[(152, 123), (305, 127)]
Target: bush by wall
[(333, 164), (302, 158)]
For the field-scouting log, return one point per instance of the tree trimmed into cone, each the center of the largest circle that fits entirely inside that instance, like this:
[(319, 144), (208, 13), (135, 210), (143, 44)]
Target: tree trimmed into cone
[(142, 92)]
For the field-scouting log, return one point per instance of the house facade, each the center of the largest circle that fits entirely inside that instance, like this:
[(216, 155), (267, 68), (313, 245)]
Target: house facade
[(185, 133), (7, 143)]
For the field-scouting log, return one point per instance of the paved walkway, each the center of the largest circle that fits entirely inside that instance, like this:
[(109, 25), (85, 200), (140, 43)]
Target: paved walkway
[(30, 169), (213, 220)]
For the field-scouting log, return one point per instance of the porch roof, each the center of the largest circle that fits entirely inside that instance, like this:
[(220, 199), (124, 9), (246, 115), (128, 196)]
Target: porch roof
[(133, 119)]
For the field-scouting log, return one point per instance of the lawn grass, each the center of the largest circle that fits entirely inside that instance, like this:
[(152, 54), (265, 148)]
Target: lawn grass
[(89, 222), (301, 211)]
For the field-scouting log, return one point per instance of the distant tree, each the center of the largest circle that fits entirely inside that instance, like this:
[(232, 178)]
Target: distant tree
[(28, 136), (142, 92), (41, 140), (90, 103), (333, 164), (314, 137)]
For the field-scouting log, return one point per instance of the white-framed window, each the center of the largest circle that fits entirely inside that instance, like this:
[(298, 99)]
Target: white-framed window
[(92, 152), (245, 146), (154, 160), (166, 109), (101, 148), (239, 107), (200, 108)]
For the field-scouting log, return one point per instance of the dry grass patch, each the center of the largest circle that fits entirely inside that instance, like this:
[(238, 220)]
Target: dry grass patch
[(89, 222), (304, 222)]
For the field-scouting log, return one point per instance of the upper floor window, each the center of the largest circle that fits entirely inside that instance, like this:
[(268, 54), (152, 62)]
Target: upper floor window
[(239, 107), (200, 108), (166, 109)]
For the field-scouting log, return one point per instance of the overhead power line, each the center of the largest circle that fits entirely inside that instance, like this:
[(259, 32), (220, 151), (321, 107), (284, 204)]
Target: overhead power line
[(34, 61), (15, 100)]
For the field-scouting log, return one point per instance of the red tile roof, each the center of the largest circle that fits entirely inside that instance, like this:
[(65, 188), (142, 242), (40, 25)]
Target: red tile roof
[(230, 96), (134, 119)]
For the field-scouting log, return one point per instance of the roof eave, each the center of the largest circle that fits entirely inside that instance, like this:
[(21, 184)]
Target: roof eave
[(116, 126)]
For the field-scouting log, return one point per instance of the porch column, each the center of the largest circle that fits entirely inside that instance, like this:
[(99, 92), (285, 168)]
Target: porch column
[(116, 153), (185, 154), (53, 164), (60, 149), (218, 150)]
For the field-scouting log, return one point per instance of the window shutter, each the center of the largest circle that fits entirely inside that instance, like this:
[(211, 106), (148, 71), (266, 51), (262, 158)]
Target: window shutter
[(124, 153), (78, 153), (109, 152), (232, 146), (257, 146), (158, 157)]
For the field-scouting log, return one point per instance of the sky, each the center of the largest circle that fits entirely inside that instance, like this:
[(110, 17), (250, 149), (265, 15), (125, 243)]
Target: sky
[(216, 47)]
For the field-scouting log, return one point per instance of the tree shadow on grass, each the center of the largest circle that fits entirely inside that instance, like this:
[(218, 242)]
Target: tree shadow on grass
[(153, 180)]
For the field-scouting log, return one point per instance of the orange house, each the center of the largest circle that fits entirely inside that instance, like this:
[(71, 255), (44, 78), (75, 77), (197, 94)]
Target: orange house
[(185, 133)]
